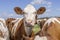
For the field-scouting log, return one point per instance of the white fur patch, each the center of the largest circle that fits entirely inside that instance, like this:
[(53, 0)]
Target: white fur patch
[(51, 20), (4, 30), (40, 38), (45, 19), (29, 9), (30, 14)]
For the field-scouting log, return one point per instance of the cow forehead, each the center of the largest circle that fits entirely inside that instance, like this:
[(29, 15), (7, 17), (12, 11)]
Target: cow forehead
[(29, 9)]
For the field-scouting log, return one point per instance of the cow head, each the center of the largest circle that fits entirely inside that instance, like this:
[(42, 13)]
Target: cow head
[(30, 13)]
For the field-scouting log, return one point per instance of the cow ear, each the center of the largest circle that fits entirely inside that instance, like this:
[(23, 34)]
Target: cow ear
[(41, 10), (18, 10)]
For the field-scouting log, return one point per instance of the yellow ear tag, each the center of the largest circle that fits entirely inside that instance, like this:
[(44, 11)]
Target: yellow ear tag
[(36, 29)]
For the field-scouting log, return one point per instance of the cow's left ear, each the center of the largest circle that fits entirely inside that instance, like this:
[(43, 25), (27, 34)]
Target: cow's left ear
[(41, 10), (18, 10)]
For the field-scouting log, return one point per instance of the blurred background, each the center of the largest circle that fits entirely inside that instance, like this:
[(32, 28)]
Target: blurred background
[(7, 7)]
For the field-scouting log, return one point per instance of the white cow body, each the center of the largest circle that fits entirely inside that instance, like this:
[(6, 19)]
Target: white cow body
[(4, 33)]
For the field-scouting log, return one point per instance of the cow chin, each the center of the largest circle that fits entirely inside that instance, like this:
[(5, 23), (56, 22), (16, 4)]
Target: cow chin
[(29, 25)]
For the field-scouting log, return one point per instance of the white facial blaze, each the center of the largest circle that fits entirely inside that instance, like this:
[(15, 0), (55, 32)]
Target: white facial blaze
[(29, 17), (30, 14)]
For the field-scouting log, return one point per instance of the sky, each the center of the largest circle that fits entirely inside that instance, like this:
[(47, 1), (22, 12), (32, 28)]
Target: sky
[(7, 7)]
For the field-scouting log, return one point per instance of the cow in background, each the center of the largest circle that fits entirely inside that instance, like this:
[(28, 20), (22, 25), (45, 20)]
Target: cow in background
[(41, 22), (27, 23), (14, 25), (51, 29), (4, 33), (9, 25)]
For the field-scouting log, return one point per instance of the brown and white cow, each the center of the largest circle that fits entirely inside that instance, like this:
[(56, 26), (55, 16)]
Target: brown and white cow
[(41, 22), (14, 26), (29, 20), (51, 29), (30, 16), (4, 33)]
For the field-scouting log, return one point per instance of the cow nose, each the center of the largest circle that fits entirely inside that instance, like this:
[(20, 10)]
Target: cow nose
[(29, 21), (28, 24)]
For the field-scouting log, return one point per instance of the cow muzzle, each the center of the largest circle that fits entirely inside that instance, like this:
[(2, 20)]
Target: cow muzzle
[(28, 24)]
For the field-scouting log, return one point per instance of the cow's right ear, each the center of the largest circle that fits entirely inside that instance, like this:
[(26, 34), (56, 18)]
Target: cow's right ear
[(41, 10), (18, 10)]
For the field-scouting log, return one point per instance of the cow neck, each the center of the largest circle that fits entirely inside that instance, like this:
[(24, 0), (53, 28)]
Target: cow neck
[(15, 25), (28, 30)]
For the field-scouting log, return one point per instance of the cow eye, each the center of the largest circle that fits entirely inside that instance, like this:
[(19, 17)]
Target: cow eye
[(24, 12)]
